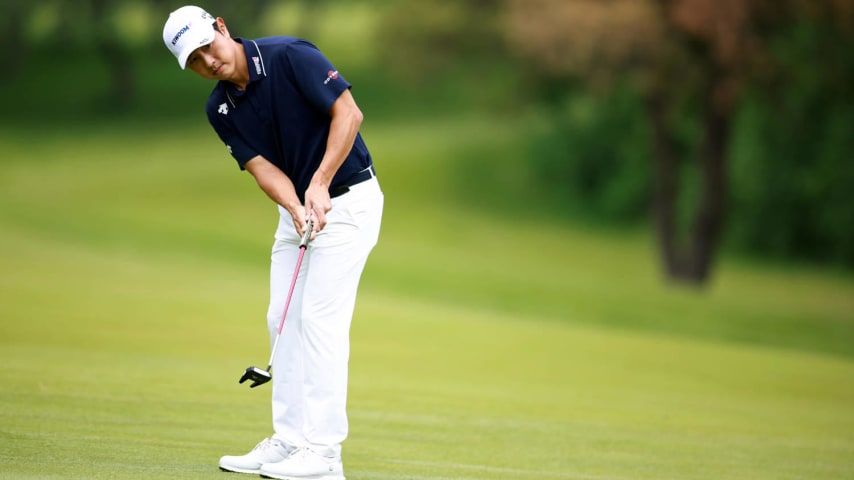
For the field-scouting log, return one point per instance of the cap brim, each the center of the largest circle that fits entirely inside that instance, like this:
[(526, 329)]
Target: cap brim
[(200, 40)]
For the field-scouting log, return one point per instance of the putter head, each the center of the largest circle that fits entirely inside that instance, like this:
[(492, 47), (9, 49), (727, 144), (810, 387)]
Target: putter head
[(258, 376)]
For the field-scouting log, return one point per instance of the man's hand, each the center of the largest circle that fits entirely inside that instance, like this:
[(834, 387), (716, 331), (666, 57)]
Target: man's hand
[(317, 204), (300, 220)]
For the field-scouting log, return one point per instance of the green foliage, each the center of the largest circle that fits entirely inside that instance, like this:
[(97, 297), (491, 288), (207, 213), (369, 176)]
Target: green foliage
[(585, 156), (593, 157), (423, 40), (793, 157), (791, 166)]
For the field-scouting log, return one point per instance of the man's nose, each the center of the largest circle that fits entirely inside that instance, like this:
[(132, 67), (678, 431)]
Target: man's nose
[(208, 59)]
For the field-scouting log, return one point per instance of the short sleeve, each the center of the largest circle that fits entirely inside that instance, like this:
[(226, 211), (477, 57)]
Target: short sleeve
[(316, 77)]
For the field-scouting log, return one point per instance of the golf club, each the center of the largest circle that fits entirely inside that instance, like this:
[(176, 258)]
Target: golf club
[(258, 376)]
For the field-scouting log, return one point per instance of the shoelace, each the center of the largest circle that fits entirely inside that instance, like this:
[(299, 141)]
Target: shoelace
[(263, 445), (302, 453)]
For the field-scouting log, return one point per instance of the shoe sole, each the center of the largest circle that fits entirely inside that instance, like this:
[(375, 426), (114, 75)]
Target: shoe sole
[(310, 477), (240, 470)]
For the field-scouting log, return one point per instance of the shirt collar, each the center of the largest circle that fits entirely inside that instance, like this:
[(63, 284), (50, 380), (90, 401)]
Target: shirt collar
[(254, 59), (255, 65)]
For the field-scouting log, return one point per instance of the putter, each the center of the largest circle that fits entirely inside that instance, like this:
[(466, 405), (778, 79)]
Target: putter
[(258, 376)]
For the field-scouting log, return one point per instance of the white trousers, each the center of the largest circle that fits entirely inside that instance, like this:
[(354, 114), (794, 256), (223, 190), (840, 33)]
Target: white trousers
[(310, 367)]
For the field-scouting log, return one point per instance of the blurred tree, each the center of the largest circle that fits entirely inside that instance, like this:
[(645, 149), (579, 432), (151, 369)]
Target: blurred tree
[(690, 60), (114, 52), (791, 159), (101, 26), (12, 15), (425, 39)]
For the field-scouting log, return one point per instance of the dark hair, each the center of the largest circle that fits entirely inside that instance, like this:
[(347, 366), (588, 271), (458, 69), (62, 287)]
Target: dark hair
[(216, 26)]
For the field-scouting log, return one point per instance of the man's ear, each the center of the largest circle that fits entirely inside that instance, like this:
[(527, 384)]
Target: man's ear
[(220, 25)]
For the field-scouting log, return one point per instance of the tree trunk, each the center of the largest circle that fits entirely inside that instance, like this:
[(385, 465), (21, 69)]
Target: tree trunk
[(118, 58), (709, 218), (665, 188), (122, 74), (691, 261), (14, 56)]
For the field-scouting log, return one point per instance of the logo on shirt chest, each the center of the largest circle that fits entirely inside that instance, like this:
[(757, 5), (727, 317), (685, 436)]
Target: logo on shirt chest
[(223, 109)]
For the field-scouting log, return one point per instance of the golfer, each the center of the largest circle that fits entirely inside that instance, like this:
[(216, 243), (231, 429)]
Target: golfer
[(287, 116)]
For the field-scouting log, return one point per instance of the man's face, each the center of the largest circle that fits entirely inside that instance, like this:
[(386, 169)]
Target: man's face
[(215, 61)]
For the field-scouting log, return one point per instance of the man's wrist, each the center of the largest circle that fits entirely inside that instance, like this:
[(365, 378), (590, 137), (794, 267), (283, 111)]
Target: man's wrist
[(321, 179), (292, 205)]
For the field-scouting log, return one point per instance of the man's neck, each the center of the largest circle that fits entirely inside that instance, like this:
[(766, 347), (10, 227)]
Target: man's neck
[(241, 68)]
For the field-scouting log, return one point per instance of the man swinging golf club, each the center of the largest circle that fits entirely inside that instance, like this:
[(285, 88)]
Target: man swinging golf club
[(287, 116)]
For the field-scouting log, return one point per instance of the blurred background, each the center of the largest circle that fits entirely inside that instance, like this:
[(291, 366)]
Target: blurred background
[(719, 126), (564, 157)]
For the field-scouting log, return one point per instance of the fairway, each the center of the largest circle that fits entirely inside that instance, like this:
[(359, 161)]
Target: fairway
[(134, 288)]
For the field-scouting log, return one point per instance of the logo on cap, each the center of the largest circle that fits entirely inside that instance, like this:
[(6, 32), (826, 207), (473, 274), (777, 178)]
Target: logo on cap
[(181, 32)]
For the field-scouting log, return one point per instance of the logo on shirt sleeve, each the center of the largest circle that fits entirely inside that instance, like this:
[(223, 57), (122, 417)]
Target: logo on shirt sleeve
[(223, 109), (331, 75)]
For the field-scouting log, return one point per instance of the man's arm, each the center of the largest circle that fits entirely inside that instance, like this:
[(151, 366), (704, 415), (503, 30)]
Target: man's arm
[(278, 187), (346, 120)]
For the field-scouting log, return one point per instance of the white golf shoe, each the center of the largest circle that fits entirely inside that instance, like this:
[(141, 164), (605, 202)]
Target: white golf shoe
[(304, 464), (267, 451)]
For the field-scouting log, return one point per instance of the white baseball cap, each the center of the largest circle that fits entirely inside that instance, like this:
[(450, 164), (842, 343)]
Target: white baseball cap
[(187, 29)]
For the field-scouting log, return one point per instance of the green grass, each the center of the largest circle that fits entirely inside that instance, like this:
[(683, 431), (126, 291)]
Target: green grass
[(486, 345)]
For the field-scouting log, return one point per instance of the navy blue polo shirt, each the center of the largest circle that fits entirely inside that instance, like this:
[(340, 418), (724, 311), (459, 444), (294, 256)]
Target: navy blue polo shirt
[(283, 115)]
